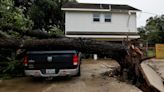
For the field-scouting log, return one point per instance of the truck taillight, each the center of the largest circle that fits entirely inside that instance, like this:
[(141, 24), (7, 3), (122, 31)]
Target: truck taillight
[(75, 59), (25, 61)]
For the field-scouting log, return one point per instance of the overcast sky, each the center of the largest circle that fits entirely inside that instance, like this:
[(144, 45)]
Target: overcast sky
[(149, 7)]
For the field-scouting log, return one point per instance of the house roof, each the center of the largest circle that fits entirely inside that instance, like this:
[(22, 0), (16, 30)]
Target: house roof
[(99, 6)]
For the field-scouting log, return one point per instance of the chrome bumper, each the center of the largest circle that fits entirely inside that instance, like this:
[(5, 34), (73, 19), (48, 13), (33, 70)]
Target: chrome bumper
[(62, 72)]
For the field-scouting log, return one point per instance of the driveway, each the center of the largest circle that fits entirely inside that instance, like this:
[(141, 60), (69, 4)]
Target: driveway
[(91, 80)]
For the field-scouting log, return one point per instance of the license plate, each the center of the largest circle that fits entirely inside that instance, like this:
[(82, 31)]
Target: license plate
[(50, 71)]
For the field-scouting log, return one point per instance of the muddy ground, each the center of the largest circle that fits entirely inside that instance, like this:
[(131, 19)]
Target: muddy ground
[(92, 80)]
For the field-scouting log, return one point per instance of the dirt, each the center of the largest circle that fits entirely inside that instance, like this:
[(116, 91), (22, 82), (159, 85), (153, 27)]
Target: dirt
[(91, 80)]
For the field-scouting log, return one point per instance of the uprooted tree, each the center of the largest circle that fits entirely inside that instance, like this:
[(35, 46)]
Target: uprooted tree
[(14, 26), (118, 52), (128, 58)]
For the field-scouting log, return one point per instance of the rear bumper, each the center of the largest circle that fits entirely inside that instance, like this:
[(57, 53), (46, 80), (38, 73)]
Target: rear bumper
[(62, 72)]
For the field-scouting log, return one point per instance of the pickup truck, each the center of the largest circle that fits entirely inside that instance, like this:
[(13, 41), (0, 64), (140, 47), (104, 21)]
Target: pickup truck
[(52, 63)]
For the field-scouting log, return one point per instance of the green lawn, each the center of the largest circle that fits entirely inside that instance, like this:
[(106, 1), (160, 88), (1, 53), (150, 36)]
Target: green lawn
[(150, 53)]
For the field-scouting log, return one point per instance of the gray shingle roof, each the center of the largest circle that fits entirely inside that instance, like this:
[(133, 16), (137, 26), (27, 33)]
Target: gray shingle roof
[(99, 6)]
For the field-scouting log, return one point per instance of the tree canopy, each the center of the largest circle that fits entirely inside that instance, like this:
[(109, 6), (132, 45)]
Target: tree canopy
[(45, 13), (12, 20), (19, 16), (154, 30)]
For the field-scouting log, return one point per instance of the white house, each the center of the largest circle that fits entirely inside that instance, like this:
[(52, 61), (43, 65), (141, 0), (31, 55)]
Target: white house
[(101, 21)]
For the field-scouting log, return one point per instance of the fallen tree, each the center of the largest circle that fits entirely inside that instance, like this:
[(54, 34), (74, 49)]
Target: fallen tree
[(129, 59), (115, 51), (122, 54)]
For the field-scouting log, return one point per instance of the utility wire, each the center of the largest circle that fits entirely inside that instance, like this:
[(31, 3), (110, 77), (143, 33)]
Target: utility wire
[(150, 13)]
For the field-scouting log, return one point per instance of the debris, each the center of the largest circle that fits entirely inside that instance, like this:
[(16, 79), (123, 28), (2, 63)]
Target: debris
[(152, 78)]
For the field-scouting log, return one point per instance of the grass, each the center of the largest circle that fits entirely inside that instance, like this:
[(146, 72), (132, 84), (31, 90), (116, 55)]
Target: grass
[(150, 53)]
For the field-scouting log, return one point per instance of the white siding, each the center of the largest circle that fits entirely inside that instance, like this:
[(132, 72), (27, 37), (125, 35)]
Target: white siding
[(83, 22)]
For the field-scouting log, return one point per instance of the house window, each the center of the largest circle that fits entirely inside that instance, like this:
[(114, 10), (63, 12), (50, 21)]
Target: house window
[(107, 17), (96, 17)]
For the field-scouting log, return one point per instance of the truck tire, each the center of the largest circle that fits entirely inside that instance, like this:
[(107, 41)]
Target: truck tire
[(79, 72)]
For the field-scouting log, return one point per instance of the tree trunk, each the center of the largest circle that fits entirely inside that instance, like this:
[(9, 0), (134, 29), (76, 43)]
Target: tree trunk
[(115, 51), (83, 45)]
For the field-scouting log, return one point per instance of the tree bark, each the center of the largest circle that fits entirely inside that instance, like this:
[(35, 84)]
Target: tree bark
[(82, 45), (10, 43)]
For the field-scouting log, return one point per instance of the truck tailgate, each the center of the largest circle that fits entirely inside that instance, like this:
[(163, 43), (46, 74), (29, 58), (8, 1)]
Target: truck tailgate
[(51, 60)]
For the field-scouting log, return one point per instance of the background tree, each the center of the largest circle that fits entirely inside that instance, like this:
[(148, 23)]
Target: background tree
[(12, 20), (21, 15), (154, 30), (48, 13)]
